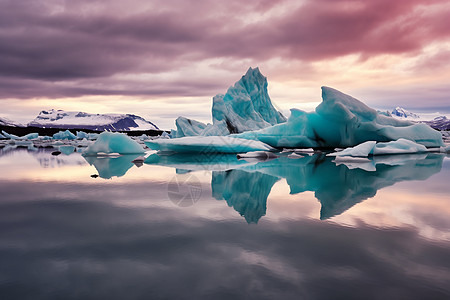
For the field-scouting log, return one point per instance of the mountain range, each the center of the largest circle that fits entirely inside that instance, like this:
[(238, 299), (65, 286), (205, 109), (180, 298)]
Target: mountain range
[(82, 120)]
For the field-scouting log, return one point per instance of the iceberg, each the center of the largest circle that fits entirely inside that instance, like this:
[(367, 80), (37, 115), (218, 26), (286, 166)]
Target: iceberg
[(400, 146), (67, 150), (2, 136), (109, 142), (245, 106), (341, 121), (207, 144), (64, 135), (188, 127), (9, 136), (82, 135), (30, 136)]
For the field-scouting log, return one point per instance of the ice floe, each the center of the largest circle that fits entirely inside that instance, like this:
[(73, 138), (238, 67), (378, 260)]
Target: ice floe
[(64, 135), (400, 146), (113, 142), (207, 144)]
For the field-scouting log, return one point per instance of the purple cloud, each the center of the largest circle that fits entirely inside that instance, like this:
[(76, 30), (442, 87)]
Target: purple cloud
[(82, 45)]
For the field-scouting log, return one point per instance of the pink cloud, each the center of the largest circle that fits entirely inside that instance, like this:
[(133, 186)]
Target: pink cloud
[(42, 41)]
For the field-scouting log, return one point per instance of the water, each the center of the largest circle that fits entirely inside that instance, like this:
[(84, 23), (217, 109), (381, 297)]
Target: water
[(305, 228)]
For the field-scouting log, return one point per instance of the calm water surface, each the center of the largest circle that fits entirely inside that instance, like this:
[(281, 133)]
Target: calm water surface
[(213, 227)]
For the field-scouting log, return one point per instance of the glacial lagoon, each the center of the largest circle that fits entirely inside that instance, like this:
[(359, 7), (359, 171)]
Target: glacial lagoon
[(215, 227)]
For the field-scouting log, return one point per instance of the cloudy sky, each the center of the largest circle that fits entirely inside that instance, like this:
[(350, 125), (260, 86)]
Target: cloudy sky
[(161, 59)]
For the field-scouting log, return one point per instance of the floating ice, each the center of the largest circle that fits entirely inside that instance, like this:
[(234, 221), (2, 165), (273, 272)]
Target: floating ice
[(30, 136), (246, 106), (64, 135), (82, 135), (9, 136), (67, 150), (401, 146), (109, 142), (207, 144), (188, 127), (2, 136), (341, 121)]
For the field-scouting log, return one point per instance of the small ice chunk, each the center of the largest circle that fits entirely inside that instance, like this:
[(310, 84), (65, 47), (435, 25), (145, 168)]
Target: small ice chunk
[(113, 142), (144, 137), (9, 136), (400, 146), (67, 150), (361, 150), (64, 135), (445, 149), (30, 136), (82, 135)]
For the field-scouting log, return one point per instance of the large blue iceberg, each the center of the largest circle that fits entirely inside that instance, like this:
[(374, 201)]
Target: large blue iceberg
[(341, 121), (245, 106), (246, 112)]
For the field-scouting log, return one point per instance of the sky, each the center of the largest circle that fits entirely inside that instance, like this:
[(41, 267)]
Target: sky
[(164, 58)]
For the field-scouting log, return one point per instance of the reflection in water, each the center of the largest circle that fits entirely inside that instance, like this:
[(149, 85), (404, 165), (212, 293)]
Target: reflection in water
[(244, 191), (108, 167), (67, 236), (337, 187)]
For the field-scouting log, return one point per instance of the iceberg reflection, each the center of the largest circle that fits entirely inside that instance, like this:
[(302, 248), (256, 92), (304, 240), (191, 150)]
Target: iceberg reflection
[(108, 167), (245, 186)]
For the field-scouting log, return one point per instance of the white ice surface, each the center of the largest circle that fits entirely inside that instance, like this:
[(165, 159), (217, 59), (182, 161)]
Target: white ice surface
[(207, 144), (110, 142)]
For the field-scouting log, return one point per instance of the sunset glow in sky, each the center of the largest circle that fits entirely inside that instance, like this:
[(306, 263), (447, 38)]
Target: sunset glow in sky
[(161, 59)]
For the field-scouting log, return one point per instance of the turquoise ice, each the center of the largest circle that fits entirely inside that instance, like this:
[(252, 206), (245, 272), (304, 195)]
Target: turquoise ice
[(113, 142), (341, 121), (207, 144), (245, 106), (30, 136), (64, 135)]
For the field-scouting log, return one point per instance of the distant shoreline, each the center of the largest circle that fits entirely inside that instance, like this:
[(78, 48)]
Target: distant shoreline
[(21, 131)]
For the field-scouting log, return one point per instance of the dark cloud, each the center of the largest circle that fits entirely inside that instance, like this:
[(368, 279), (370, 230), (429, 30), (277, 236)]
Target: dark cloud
[(54, 41)]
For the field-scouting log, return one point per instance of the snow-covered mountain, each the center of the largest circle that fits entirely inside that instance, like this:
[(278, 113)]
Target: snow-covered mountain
[(403, 113), (81, 120), (435, 120), (441, 123), (8, 122)]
